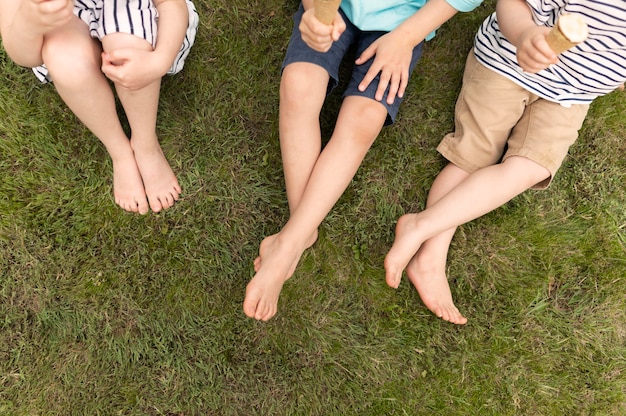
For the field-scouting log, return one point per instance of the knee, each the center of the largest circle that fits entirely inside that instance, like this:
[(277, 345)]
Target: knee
[(302, 84), (361, 119), (70, 62), (370, 114)]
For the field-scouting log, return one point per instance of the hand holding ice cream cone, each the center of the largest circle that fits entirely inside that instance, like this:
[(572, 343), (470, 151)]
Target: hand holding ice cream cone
[(568, 32)]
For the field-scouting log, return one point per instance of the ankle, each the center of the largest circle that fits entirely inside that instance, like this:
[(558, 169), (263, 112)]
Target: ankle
[(145, 143)]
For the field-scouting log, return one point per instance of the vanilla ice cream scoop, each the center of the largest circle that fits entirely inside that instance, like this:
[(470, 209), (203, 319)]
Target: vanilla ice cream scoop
[(568, 32)]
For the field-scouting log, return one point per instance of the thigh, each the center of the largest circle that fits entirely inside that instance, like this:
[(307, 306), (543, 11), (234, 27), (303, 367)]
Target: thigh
[(545, 133), (299, 51), (365, 39), (488, 107)]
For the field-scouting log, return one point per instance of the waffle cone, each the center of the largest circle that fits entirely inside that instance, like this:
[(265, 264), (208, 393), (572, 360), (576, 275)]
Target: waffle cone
[(325, 10), (568, 32)]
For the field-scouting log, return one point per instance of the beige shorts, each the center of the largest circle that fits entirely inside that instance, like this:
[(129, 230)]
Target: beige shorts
[(496, 119)]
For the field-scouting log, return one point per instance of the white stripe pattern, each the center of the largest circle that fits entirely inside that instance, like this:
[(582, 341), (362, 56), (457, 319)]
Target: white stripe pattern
[(135, 17), (591, 69)]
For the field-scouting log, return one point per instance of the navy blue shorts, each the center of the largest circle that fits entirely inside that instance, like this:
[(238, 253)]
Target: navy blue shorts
[(299, 51)]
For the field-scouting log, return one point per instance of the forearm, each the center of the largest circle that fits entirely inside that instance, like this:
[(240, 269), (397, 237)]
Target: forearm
[(431, 16), (514, 19), (172, 26)]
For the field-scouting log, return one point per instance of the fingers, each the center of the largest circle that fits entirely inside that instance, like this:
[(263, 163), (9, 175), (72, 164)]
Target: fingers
[(394, 79), (534, 54), (397, 85), (339, 26), (391, 63), (542, 56), (383, 82), (368, 78), (536, 62), (318, 35), (116, 66), (118, 56), (114, 70)]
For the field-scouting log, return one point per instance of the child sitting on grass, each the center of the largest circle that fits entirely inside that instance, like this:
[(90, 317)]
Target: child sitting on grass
[(388, 37), (519, 111), (80, 45)]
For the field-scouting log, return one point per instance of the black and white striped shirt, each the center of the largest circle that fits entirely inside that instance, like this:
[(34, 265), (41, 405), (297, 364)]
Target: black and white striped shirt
[(591, 69)]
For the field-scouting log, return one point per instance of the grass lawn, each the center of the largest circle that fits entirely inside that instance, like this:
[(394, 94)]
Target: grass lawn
[(107, 313)]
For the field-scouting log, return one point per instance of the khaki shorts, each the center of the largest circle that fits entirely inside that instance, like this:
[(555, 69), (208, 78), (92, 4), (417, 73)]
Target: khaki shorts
[(496, 119)]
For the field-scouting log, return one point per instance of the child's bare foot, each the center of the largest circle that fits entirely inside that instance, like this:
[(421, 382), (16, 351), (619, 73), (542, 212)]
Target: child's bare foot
[(278, 264), (128, 187), (309, 243), (405, 245), (434, 290), (161, 185)]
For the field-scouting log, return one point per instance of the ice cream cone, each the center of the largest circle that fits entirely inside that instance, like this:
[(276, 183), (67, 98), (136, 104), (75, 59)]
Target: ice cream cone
[(325, 10), (568, 32)]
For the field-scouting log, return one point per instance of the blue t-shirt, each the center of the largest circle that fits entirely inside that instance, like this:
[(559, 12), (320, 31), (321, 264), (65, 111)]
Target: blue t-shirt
[(386, 15)]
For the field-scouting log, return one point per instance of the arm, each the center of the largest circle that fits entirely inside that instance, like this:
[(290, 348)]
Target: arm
[(23, 24), (394, 50), (172, 26), (516, 23), (135, 68)]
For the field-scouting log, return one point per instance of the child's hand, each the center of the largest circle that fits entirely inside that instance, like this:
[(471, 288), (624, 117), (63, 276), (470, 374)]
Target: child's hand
[(392, 59), (318, 35), (533, 52), (133, 69), (49, 14)]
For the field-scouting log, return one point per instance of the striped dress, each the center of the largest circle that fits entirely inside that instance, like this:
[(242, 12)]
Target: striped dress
[(134, 17), (591, 69)]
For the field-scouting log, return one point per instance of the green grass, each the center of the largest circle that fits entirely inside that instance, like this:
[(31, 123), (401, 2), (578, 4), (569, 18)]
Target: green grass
[(107, 313)]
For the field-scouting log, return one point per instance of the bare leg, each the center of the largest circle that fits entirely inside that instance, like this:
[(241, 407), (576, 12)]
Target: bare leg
[(73, 59), (358, 124), (478, 194), (300, 135), (161, 185), (427, 268), (302, 94)]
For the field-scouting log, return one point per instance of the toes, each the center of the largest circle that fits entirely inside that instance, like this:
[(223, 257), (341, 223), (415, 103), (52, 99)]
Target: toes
[(261, 312), (453, 315), (250, 307), (132, 206), (143, 209), (258, 308), (155, 204), (267, 313), (165, 201), (393, 279)]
